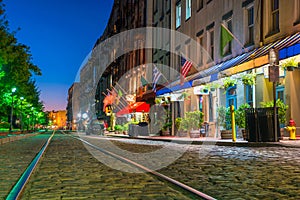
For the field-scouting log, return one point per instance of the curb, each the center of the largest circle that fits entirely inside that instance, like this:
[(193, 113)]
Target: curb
[(218, 143), (15, 138)]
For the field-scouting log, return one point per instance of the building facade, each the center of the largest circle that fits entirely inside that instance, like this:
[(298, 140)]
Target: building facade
[(254, 28), (58, 119)]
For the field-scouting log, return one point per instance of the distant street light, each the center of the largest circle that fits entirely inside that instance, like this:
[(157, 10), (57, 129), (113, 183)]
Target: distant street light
[(13, 90)]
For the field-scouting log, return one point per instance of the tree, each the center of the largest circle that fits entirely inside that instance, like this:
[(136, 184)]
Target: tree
[(16, 70)]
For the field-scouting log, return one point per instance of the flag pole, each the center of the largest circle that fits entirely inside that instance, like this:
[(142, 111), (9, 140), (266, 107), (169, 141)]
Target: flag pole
[(120, 98), (121, 87), (238, 41)]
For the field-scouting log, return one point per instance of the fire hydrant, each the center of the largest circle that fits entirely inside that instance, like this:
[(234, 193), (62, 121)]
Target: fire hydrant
[(291, 129)]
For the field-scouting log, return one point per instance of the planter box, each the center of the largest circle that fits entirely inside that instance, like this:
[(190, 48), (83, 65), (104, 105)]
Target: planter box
[(195, 134), (182, 133), (165, 133), (226, 134)]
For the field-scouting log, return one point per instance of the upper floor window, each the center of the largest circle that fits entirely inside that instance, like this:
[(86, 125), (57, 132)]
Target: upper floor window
[(275, 15), (297, 12), (188, 9), (250, 26), (200, 54), (199, 4), (178, 14), (211, 45)]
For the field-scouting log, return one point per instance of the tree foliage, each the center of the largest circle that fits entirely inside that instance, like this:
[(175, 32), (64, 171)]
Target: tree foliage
[(16, 71)]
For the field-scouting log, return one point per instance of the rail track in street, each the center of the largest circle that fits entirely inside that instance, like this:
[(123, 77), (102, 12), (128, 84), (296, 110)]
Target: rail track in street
[(64, 169)]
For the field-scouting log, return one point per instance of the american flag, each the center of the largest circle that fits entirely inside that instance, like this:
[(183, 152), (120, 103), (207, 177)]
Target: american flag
[(156, 75), (185, 66)]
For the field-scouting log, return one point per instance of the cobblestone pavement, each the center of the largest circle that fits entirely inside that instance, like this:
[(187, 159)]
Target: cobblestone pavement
[(69, 171), (228, 172), (15, 157)]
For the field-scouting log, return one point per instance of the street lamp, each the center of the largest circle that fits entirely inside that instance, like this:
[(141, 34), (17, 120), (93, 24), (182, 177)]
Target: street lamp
[(13, 90), (21, 117), (274, 77)]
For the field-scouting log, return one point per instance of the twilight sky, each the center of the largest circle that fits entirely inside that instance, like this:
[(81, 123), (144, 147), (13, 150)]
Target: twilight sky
[(60, 34)]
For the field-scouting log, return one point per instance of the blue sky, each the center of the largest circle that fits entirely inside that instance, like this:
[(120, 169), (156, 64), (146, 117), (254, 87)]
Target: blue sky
[(60, 34)]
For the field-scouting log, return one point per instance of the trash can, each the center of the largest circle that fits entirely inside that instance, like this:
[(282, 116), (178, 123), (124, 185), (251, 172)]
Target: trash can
[(143, 129), (251, 125), (260, 124), (132, 130)]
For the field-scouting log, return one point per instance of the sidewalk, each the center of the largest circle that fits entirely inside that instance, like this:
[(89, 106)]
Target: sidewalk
[(214, 141), (13, 137)]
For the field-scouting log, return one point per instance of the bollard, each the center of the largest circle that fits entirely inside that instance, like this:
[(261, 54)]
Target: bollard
[(233, 123)]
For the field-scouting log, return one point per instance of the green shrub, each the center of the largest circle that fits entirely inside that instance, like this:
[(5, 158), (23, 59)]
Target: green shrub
[(282, 108), (195, 119), (240, 115), (118, 127), (4, 125)]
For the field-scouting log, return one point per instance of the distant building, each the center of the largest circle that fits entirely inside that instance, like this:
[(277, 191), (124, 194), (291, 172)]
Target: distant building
[(72, 107), (58, 119)]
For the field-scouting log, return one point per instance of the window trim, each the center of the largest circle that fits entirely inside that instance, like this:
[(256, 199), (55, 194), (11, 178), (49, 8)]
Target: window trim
[(274, 12), (211, 44), (200, 5), (188, 3), (178, 17), (247, 32)]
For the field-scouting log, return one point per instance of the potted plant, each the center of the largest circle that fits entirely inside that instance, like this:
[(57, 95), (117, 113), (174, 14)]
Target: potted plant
[(224, 122), (118, 128), (181, 124), (213, 86), (195, 120), (290, 64), (125, 129), (166, 128), (248, 79), (184, 95), (240, 119), (229, 82)]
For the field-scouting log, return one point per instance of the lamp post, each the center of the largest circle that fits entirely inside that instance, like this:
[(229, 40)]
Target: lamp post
[(21, 117), (13, 90), (274, 77)]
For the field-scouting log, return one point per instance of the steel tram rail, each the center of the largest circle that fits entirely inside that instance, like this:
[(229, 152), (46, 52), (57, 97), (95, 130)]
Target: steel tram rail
[(164, 177), (20, 184)]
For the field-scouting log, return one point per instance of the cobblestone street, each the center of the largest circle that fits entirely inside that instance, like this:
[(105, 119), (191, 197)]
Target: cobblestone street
[(68, 171), (231, 172), (71, 170), (14, 158)]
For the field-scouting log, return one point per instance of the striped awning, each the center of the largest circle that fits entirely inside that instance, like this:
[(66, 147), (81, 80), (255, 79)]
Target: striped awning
[(278, 45), (281, 45)]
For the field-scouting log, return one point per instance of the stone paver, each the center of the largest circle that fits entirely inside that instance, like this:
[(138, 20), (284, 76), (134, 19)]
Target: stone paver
[(69, 171), (15, 157), (229, 172)]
